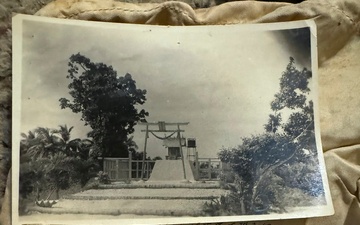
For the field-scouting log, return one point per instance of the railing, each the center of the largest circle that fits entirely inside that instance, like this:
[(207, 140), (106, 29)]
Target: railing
[(127, 169), (136, 169), (209, 168)]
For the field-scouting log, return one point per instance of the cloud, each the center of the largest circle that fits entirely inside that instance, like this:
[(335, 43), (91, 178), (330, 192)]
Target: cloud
[(221, 83)]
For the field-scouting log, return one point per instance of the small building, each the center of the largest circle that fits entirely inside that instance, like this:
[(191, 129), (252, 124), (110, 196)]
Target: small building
[(173, 147)]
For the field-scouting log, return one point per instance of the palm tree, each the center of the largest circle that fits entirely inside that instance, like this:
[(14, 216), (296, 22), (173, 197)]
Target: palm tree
[(27, 139), (39, 143), (77, 147), (63, 161), (64, 132), (60, 172), (26, 142)]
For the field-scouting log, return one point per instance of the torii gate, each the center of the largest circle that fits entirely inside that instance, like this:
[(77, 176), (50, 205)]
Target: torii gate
[(162, 128)]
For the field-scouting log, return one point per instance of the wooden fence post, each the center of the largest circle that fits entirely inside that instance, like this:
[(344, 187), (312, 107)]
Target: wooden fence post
[(181, 151), (147, 170), (104, 166), (197, 165), (130, 165), (117, 169), (209, 169), (144, 153), (137, 169)]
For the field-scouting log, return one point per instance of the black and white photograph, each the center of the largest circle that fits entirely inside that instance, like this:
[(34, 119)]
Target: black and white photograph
[(125, 123)]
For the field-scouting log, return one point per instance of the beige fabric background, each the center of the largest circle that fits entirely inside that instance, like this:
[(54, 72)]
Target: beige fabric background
[(338, 23)]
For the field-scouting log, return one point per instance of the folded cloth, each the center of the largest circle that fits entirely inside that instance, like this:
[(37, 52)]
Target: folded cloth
[(337, 21), (338, 33)]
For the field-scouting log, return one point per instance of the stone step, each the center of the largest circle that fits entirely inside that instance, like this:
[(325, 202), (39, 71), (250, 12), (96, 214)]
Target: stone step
[(160, 185), (177, 207), (140, 198), (146, 193)]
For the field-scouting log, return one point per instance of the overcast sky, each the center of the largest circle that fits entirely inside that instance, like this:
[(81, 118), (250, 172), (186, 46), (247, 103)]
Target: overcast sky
[(220, 79)]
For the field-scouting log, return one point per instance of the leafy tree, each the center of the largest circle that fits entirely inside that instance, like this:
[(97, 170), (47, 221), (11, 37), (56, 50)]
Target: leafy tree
[(107, 102), (254, 162), (276, 158), (138, 156), (293, 97), (51, 161)]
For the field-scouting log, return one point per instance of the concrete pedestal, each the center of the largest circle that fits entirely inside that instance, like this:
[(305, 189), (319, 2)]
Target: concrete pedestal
[(171, 170)]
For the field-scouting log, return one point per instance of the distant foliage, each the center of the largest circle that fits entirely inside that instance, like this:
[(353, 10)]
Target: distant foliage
[(157, 158), (107, 103), (278, 168), (51, 161)]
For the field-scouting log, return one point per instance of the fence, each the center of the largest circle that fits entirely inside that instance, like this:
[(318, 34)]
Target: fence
[(209, 168), (122, 169), (127, 169)]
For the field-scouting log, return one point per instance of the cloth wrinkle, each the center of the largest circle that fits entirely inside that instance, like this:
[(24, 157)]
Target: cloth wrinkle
[(173, 6), (357, 192), (343, 12), (119, 9)]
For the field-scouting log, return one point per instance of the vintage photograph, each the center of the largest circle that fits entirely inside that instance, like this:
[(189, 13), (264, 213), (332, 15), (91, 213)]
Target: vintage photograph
[(158, 124)]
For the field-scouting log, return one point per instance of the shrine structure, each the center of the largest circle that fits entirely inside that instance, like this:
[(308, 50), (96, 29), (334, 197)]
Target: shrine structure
[(176, 166)]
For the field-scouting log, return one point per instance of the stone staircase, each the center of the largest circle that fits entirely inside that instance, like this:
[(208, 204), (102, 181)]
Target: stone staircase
[(139, 198)]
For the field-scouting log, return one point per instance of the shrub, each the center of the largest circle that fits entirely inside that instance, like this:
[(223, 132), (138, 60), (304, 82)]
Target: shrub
[(103, 178)]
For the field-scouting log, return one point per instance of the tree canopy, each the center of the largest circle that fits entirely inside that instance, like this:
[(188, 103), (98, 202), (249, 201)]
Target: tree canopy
[(107, 103), (282, 159)]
